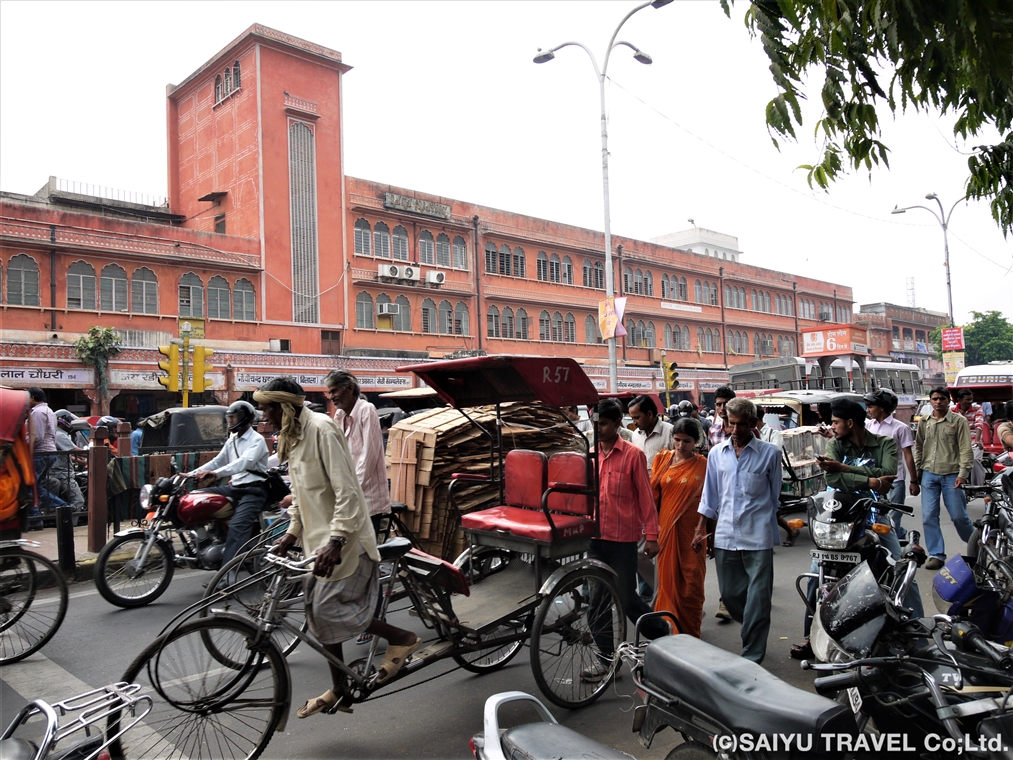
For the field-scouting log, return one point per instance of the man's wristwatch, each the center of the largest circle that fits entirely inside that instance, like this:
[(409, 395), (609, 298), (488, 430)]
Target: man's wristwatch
[(339, 540)]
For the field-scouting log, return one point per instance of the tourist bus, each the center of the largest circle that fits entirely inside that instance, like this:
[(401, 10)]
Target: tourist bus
[(993, 383)]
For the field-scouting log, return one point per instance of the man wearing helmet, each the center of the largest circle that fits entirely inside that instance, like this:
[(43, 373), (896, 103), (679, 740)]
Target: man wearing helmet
[(879, 408), (243, 460)]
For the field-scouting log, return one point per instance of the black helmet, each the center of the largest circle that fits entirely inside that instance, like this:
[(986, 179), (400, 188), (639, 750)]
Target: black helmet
[(686, 408), (884, 398), (244, 413)]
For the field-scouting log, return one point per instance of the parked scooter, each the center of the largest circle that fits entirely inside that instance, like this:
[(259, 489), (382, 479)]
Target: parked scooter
[(136, 566)]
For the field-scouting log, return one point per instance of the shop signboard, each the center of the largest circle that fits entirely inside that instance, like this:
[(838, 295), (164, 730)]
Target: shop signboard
[(833, 342), (46, 377)]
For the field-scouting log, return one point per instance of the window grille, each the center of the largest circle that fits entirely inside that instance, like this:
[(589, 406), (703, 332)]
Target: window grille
[(446, 315), (554, 269), (521, 325), (519, 263), (544, 326), (508, 322), (381, 240), (492, 322), (403, 318), (557, 327), (591, 333), (218, 298), (302, 189), (588, 273), (144, 291), (461, 319), (22, 281), (505, 260), (460, 253), (399, 244), (191, 296), (567, 271), (569, 329), (543, 267), (113, 288), (363, 238), (236, 78), (491, 258), (427, 250), (429, 324), (443, 251), (81, 286), (244, 301), (648, 283), (364, 311), (599, 275)]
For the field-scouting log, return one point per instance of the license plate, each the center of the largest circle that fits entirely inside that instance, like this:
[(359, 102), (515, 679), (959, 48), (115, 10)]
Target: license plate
[(852, 557), (855, 700)]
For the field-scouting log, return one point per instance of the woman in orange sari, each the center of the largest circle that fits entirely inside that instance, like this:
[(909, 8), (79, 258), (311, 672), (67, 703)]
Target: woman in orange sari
[(677, 481)]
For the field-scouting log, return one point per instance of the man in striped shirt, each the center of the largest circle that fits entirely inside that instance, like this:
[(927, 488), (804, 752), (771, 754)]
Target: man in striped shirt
[(626, 512)]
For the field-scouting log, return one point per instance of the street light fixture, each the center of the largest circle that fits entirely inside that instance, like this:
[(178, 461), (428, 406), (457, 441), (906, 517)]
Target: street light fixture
[(641, 57), (944, 222)]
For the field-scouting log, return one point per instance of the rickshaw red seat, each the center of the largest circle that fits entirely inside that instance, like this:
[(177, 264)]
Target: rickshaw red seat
[(569, 468), (524, 478), (527, 523)]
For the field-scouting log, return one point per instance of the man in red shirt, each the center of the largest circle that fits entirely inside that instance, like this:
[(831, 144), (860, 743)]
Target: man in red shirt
[(626, 511)]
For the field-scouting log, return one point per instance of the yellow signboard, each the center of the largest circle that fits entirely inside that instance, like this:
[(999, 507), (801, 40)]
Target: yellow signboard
[(191, 327), (607, 318), (953, 362)]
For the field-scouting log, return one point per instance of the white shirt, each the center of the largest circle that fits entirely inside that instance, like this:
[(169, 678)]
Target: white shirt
[(365, 443), (901, 434), (770, 435), (243, 458), (651, 443)]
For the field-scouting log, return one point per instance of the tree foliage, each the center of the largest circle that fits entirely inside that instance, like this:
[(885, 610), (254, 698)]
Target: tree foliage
[(94, 350), (953, 56), (989, 338)]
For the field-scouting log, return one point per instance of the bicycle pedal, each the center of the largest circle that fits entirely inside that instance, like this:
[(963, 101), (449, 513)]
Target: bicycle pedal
[(337, 707), (434, 650)]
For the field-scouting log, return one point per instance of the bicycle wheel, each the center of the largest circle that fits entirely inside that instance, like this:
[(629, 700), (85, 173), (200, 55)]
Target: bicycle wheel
[(202, 707), (247, 600), (122, 582), (573, 639), (494, 658), (29, 616)]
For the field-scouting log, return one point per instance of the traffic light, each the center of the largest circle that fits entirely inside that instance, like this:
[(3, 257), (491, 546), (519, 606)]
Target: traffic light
[(170, 366), (671, 370), (201, 366)]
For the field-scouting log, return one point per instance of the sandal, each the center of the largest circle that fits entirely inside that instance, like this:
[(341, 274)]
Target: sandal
[(394, 658), (325, 701), (802, 651), (792, 535)]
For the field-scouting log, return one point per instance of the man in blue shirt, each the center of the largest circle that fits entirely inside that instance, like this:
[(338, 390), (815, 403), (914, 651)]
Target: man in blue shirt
[(739, 512)]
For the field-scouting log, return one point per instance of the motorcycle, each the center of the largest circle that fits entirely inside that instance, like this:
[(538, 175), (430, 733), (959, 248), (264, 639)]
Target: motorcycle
[(181, 529)]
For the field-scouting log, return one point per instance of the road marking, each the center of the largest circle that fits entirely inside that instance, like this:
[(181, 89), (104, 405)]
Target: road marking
[(94, 591)]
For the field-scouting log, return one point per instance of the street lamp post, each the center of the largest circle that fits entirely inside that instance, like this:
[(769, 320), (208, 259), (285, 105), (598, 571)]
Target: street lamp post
[(944, 222), (640, 57)]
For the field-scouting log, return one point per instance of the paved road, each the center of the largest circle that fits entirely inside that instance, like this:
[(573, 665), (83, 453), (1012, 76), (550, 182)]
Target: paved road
[(431, 720)]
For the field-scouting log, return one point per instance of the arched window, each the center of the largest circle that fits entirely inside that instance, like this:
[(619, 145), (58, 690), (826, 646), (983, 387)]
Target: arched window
[(446, 318), (505, 260), (22, 281), (400, 243), (443, 251), (588, 273), (237, 80), (557, 327), (521, 325), (756, 345), (730, 342), (599, 275), (144, 291), (554, 268), (567, 271), (460, 253), (729, 302), (649, 335), (631, 332), (752, 299), (638, 282), (592, 334), (745, 343), (683, 289), (461, 319), (627, 280), (492, 322), (403, 318), (714, 294), (427, 248), (700, 344), (81, 286), (668, 337), (364, 311), (697, 292), (227, 82), (569, 328), (244, 301), (543, 266), (544, 326), (519, 263), (685, 338), (190, 295), (665, 287), (648, 283), (381, 240), (709, 338), (113, 288), (429, 324), (766, 302), (363, 237), (507, 320), (219, 298), (382, 300), (218, 88), (491, 258)]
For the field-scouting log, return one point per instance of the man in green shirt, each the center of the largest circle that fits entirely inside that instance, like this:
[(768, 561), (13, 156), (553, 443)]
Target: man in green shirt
[(857, 460), (943, 459)]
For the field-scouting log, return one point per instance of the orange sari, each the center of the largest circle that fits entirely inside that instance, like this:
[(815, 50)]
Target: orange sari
[(677, 490)]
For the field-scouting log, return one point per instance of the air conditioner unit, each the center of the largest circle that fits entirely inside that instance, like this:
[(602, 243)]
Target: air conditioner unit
[(824, 316), (436, 278), (388, 271), (387, 308), (409, 273)]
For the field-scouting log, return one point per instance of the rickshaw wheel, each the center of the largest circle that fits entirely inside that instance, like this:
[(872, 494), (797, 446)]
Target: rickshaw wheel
[(488, 660), (576, 629)]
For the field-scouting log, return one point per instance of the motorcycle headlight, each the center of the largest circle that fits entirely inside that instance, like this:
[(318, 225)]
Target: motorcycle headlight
[(145, 496), (830, 535), (825, 649)]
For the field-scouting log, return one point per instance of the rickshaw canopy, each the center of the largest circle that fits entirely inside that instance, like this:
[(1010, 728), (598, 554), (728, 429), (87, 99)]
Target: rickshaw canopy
[(14, 406), (484, 380)]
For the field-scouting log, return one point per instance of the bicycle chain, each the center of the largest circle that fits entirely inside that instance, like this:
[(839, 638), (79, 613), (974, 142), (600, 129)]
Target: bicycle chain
[(411, 686)]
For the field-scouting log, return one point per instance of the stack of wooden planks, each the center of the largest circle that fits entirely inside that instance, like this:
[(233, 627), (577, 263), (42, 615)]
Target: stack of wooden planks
[(424, 450)]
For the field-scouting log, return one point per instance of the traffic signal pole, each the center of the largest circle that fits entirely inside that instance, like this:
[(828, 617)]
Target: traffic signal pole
[(184, 361)]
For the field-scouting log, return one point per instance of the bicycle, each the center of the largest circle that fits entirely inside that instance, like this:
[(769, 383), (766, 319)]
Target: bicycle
[(27, 621)]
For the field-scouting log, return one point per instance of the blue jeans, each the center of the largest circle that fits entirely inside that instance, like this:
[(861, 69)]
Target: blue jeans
[(934, 486), (898, 492)]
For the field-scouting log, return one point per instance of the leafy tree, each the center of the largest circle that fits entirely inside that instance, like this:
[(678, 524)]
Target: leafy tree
[(94, 350), (954, 56), (989, 338)]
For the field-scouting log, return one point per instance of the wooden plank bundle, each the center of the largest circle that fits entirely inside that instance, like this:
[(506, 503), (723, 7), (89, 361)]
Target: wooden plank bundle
[(424, 450)]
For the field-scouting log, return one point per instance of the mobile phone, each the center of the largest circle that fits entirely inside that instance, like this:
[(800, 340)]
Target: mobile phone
[(821, 459)]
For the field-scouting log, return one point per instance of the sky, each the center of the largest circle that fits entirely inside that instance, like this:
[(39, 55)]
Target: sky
[(444, 98)]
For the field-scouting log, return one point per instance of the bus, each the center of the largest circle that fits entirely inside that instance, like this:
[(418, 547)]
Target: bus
[(794, 373), (992, 382)]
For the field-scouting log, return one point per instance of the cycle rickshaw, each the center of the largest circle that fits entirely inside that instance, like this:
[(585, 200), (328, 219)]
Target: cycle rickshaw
[(222, 679)]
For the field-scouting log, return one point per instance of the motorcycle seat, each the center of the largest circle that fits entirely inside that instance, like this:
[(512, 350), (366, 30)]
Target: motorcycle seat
[(17, 749), (738, 693), (553, 740), (394, 548)]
